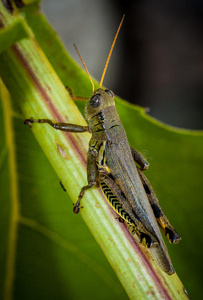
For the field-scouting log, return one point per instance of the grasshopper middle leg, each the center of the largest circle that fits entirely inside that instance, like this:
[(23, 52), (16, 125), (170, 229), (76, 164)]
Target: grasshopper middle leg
[(139, 159), (92, 172)]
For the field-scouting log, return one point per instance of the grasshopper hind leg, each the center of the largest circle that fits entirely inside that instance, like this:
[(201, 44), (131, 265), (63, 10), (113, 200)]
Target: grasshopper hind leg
[(171, 234), (117, 200)]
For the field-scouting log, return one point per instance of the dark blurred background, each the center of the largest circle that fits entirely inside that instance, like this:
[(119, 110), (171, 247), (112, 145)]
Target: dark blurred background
[(158, 58)]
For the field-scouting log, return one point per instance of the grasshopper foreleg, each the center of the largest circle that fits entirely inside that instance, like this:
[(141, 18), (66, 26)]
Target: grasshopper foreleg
[(169, 231), (139, 159), (75, 98), (59, 126)]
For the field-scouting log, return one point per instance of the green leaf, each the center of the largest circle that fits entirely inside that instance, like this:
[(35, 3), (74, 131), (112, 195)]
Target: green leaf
[(47, 251)]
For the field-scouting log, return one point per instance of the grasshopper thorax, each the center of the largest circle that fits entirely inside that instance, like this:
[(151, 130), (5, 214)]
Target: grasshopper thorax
[(99, 100)]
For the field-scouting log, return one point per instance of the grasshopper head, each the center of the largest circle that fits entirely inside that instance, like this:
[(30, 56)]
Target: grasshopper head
[(99, 100)]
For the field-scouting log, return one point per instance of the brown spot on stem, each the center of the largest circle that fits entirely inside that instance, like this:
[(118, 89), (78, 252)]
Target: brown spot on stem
[(62, 152)]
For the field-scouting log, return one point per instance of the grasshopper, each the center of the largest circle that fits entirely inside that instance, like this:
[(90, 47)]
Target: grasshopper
[(111, 165)]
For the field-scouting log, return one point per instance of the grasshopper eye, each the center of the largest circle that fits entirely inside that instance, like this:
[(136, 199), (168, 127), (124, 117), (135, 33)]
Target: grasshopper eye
[(96, 100), (110, 93)]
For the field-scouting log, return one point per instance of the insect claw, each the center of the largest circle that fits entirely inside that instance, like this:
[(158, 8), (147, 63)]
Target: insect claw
[(147, 241), (144, 167), (28, 122), (120, 219), (77, 207), (172, 236)]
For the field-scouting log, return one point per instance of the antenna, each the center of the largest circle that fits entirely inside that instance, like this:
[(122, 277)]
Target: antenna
[(84, 66), (110, 52)]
